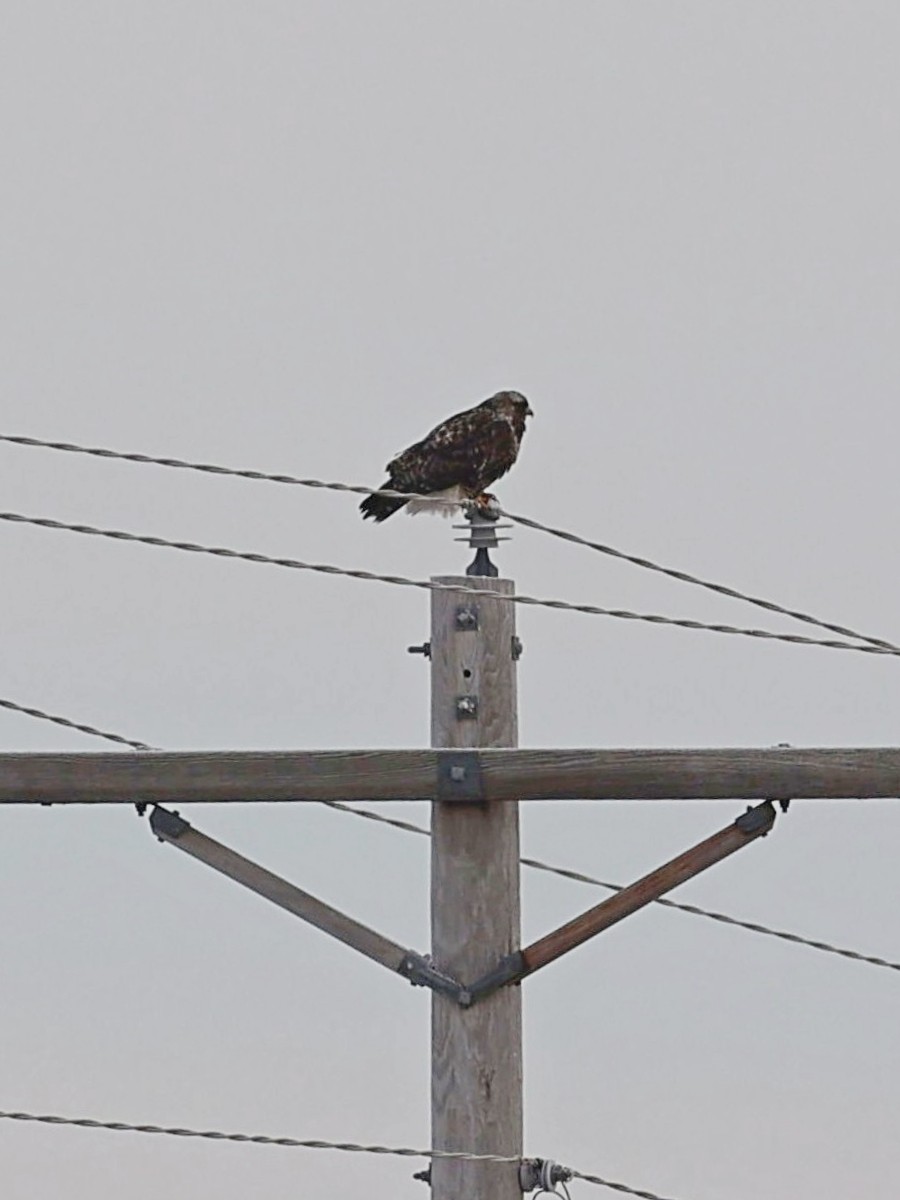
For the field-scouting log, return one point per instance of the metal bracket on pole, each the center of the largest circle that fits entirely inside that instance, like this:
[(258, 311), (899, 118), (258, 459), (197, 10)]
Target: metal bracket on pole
[(467, 618), (543, 1174), (459, 777), (166, 825), (508, 970), (421, 972), (759, 819), (754, 823)]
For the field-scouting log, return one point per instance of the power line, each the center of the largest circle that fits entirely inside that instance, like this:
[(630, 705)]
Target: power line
[(527, 522), (616, 1187), (214, 469), (260, 1139), (91, 730), (534, 863), (427, 585), (406, 826), (684, 577)]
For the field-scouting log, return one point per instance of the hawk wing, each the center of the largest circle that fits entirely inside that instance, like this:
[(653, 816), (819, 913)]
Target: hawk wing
[(464, 454), (469, 451)]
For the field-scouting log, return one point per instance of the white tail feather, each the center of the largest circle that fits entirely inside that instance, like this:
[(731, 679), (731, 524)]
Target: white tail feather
[(434, 504)]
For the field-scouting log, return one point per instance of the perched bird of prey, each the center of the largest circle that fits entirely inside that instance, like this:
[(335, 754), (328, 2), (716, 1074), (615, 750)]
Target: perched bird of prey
[(458, 460)]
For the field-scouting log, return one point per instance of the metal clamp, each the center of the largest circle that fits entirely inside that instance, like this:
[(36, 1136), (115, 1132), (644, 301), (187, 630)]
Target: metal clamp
[(167, 825), (761, 816), (542, 1174), (421, 972), (508, 970)]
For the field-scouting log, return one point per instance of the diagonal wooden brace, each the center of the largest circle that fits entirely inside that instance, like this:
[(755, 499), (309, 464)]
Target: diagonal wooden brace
[(754, 823), (174, 829)]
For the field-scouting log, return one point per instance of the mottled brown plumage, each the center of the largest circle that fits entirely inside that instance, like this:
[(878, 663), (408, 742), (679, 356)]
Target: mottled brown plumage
[(459, 459)]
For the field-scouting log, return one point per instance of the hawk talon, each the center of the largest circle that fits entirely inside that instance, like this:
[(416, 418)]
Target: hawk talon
[(486, 506)]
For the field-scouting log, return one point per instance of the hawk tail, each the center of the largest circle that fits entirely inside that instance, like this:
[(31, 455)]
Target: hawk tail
[(379, 508)]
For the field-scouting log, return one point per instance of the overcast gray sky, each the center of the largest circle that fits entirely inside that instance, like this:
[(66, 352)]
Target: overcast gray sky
[(294, 236)]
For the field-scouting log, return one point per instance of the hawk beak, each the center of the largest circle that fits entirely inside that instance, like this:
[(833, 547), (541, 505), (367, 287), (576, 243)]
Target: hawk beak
[(528, 412)]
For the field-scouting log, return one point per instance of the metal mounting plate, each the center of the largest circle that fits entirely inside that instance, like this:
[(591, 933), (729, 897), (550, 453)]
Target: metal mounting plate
[(460, 778), (467, 617)]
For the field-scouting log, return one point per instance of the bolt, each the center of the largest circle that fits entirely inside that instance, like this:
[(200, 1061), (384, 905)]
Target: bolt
[(466, 618)]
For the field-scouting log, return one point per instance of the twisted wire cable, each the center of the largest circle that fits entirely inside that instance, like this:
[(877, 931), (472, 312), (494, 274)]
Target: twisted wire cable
[(427, 585), (214, 469), (684, 577), (616, 1187), (260, 1139), (527, 522), (90, 730)]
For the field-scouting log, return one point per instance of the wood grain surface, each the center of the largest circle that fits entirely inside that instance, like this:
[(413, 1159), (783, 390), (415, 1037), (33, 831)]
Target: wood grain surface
[(254, 776), (476, 1098)]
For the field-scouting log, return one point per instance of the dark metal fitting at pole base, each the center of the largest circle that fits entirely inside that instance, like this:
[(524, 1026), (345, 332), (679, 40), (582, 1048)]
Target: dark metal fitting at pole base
[(167, 824), (424, 1176)]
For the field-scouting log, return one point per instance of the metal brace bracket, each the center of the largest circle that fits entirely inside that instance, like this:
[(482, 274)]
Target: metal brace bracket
[(421, 973), (508, 970), (460, 778), (162, 821), (761, 816)]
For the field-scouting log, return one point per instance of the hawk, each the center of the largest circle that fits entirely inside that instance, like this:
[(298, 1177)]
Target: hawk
[(458, 460)]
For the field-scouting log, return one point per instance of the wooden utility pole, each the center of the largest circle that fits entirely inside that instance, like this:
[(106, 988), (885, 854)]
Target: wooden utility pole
[(475, 777), (476, 1066)]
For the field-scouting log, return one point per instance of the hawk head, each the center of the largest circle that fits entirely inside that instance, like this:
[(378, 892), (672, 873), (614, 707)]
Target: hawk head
[(513, 406)]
